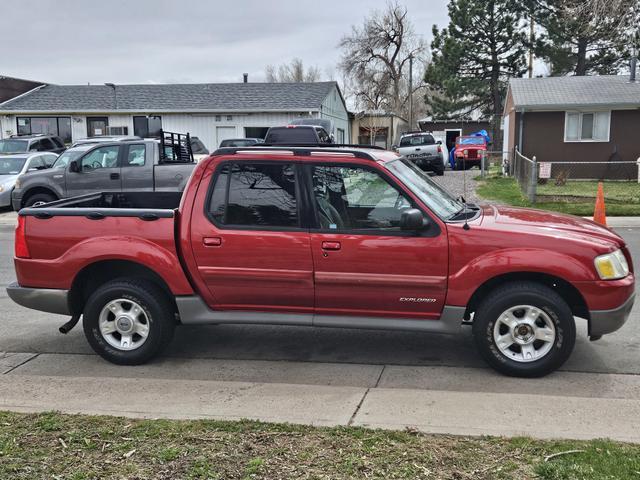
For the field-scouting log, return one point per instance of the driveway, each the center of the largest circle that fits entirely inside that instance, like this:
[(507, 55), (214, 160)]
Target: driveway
[(322, 376), (460, 183)]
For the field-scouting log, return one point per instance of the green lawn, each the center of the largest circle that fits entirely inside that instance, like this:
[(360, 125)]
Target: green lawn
[(55, 446), (577, 198)]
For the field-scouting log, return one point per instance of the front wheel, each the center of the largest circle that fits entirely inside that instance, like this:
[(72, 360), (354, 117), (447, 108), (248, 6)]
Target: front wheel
[(39, 199), (524, 329), (128, 322)]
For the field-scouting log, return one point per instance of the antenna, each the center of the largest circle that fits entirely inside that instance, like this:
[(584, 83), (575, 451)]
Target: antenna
[(464, 191)]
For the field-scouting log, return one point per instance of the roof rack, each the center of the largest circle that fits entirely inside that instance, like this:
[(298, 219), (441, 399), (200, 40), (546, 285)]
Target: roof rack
[(306, 149)]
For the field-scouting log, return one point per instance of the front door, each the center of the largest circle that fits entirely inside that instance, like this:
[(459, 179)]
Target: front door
[(97, 126), (364, 265), (251, 250), (99, 172)]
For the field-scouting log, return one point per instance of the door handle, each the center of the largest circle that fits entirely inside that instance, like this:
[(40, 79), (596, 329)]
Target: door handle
[(212, 241), (331, 245), (114, 176)]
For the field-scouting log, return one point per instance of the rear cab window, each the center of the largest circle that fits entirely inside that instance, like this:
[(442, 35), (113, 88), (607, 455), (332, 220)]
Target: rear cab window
[(417, 140), (252, 195)]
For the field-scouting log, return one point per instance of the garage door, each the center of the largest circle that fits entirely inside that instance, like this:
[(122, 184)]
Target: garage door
[(222, 133)]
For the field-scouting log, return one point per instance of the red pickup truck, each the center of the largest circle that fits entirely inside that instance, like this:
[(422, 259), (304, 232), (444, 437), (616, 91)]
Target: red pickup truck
[(325, 237)]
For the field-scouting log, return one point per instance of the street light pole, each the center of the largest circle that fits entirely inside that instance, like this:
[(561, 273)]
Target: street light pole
[(411, 92)]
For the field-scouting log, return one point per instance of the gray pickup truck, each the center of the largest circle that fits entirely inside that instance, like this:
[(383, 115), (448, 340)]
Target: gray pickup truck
[(121, 165)]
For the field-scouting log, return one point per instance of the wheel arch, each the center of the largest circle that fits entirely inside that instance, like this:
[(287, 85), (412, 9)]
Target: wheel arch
[(38, 189), (566, 290), (94, 275)]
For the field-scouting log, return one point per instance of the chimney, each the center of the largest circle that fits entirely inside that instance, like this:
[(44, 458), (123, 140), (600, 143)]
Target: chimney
[(245, 76), (633, 64)]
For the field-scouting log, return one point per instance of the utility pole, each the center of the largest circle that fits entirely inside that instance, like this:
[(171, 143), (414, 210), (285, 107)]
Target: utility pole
[(411, 92), (531, 39)]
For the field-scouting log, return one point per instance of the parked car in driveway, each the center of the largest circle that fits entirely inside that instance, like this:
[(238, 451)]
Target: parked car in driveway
[(32, 143), (468, 151), (297, 135), (326, 237), (132, 164), (423, 149), (240, 142), (16, 164)]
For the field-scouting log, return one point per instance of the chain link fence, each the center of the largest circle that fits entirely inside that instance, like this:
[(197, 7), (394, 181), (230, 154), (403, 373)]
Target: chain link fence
[(576, 182)]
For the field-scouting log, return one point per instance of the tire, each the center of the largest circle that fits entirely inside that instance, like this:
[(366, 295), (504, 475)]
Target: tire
[(124, 296), (39, 198), (440, 171), (547, 310)]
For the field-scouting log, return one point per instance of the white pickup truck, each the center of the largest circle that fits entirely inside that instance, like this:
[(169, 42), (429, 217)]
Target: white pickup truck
[(423, 149)]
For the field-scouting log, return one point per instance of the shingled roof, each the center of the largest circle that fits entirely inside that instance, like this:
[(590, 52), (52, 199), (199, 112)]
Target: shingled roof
[(563, 92), (193, 97)]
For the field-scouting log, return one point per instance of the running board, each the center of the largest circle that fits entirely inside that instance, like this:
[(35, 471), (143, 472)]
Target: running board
[(193, 311)]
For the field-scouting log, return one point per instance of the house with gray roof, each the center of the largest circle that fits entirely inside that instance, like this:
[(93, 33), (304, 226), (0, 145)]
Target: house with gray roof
[(210, 111), (585, 119)]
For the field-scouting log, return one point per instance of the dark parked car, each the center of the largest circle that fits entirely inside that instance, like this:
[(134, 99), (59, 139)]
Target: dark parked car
[(32, 143), (240, 142), (297, 135)]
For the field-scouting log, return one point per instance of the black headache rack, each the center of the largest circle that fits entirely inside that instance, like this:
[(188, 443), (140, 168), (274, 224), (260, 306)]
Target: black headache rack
[(357, 151), (175, 147)]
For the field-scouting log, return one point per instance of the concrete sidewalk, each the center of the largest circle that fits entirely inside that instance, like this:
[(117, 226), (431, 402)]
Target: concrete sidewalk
[(463, 401)]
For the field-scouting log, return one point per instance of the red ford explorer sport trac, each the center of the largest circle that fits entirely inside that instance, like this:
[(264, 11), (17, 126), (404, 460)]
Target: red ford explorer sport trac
[(321, 236)]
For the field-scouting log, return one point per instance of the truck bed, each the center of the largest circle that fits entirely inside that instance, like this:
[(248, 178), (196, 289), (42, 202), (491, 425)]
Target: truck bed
[(146, 205)]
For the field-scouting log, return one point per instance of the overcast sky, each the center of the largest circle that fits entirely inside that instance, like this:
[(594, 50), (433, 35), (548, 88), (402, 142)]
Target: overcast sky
[(158, 41)]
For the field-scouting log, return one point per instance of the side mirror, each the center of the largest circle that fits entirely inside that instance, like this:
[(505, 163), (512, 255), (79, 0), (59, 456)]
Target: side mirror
[(412, 219), (439, 142), (73, 166)]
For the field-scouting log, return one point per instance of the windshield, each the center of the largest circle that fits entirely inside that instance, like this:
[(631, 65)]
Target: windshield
[(471, 141), (71, 154), (13, 146), (11, 165), (432, 195), (417, 140)]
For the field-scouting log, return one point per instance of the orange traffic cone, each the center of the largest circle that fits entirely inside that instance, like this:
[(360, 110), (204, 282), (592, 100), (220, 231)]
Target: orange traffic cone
[(600, 215)]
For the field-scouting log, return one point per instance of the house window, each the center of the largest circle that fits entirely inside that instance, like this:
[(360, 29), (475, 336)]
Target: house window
[(60, 126), (229, 118), (147, 126), (218, 118), (587, 126)]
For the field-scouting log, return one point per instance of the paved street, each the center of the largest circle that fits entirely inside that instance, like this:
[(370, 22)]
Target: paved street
[(321, 376)]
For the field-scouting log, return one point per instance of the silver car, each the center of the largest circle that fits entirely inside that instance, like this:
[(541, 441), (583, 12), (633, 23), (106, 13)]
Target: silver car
[(15, 164)]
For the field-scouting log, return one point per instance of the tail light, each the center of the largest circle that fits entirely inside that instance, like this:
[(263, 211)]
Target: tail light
[(21, 248), (439, 149)]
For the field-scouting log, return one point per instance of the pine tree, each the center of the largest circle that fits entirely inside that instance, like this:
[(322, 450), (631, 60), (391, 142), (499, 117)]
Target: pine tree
[(473, 58), (579, 41)]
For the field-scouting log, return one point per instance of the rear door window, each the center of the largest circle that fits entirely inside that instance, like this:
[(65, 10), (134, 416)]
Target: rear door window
[(135, 156), (255, 195)]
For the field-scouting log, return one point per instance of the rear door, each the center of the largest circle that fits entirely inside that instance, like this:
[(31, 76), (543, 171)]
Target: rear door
[(137, 167), (364, 264), (251, 247), (99, 172)]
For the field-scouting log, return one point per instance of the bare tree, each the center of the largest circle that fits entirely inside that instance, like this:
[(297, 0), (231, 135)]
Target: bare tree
[(376, 57), (293, 71)]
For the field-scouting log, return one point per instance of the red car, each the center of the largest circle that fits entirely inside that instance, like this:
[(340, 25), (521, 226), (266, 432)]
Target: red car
[(325, 237), (469, 151)]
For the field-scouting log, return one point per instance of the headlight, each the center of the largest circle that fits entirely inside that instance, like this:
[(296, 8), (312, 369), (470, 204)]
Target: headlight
[(612, 266), (1, 188)]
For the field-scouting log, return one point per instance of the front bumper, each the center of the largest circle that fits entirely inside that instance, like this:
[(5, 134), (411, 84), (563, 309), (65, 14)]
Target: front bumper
[(16, 200), (44, 299), (5, 198), (608, 321)]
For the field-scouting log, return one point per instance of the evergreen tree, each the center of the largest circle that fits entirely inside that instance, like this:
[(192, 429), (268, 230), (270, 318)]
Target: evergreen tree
[(473, 58), (580, 41)]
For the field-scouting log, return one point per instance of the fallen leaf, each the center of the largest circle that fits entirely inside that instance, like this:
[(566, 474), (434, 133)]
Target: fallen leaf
[(128, 454)]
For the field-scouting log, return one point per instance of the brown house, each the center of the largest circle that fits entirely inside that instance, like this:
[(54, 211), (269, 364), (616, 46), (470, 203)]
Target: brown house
[(12, 87), (574, 119)]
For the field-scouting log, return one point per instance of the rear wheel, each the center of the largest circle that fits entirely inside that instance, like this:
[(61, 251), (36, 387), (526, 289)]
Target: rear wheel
[(524, 329), (39, 199), (128, 322), (440, 171)]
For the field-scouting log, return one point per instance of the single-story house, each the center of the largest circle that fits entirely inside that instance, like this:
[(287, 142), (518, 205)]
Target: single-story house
[(582, 119), (11, 87), (209, 111), (448, 130), (377, 128)]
